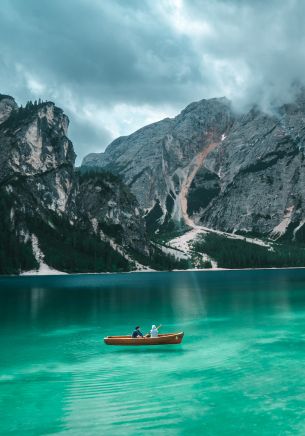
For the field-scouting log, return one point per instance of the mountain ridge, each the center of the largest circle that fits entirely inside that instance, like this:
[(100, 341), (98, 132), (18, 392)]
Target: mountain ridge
[(207, 189), (56, 217), (224, 191), (166, 148)]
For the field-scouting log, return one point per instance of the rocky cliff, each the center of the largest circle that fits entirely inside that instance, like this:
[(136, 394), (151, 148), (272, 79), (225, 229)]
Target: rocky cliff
[(212, 167), (222, 174), (53, 216), (155, 162), (260, 175)]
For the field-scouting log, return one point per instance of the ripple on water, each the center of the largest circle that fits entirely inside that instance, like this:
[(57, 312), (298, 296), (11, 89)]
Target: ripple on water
[(71, 330), (238, 370)]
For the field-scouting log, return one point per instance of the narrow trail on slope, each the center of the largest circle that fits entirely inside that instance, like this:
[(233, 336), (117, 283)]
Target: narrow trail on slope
[(195, 165)]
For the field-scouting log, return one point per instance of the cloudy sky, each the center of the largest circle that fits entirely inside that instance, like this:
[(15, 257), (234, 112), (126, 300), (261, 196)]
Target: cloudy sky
[(116, 65)]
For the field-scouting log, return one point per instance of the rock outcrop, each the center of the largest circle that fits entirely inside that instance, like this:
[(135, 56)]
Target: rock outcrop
[(112, 210), (261, 170), (7, 105), (34, 149), (210, 166), (156, 161), (80, 221)]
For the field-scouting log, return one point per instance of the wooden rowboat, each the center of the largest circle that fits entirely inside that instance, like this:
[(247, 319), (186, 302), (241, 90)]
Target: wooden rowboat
[(169, 338)]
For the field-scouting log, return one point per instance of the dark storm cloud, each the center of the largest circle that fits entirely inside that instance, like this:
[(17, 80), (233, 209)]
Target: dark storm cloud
[(115, 64), (111, 50)]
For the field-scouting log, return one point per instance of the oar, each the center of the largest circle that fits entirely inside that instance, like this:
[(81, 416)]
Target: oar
[(148, 334)]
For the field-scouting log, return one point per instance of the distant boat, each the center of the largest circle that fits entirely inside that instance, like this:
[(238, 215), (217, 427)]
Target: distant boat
[(169, 338)]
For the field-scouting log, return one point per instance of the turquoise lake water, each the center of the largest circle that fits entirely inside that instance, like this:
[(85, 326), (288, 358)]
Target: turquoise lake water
[(240, 368)]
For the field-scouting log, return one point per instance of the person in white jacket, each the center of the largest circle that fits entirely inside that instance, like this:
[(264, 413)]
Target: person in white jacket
[(154, 331)]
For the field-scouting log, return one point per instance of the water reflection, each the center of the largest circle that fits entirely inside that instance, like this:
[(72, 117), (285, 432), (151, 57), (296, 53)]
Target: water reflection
[(37, 300), (187, 296), (153, 297), (237, 325)]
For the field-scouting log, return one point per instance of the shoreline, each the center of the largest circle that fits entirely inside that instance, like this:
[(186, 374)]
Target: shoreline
[(210, 270)]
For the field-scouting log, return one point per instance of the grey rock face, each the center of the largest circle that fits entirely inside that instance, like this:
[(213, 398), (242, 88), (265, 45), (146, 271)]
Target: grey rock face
[(37, 175), (154, 161), (34, 145), (242, 173), (7, 105), (261, 172), (112, 210), (204, 187)]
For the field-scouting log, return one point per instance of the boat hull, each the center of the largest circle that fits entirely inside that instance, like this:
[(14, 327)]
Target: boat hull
[(167, 339)]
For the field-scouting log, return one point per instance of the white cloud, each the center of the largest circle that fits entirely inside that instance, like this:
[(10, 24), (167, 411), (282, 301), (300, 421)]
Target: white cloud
[(175, 13), (121, 119)]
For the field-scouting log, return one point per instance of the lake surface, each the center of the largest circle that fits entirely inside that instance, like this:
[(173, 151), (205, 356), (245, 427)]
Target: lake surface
[(240, 369)]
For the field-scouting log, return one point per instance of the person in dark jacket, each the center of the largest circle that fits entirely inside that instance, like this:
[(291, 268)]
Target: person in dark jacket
[(137, 332)]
